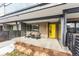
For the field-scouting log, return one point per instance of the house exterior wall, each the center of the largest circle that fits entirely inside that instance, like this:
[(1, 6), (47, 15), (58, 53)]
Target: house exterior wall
[(43, 29)]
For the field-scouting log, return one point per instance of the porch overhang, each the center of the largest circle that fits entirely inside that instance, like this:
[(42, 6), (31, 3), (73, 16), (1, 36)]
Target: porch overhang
[(71, 10), (72, 14), (39, 19)]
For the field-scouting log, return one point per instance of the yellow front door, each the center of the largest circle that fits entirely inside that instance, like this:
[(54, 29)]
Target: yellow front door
[(52, 31)]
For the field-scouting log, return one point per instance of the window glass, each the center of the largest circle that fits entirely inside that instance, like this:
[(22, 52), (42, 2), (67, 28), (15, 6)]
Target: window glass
[(35, 27), (14, 27), (32, 27), (28, 27), (10, 27), (77, 27), (71, 27)]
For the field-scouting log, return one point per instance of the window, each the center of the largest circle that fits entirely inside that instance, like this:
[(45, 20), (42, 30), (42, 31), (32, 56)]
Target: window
[(35, 27), (14, 27), (32, 27), (71, 27), (28, 27), (77, 27), (10, 27)]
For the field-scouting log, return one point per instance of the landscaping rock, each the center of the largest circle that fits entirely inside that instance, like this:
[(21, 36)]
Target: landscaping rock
[(30, 49)]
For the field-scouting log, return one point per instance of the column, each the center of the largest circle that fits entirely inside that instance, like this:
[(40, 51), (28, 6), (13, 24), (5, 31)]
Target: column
[(18, 33), (62, 31), (64, 28)]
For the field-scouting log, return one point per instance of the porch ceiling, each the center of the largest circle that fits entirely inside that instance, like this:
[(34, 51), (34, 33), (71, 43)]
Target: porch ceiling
[(73, 16)]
